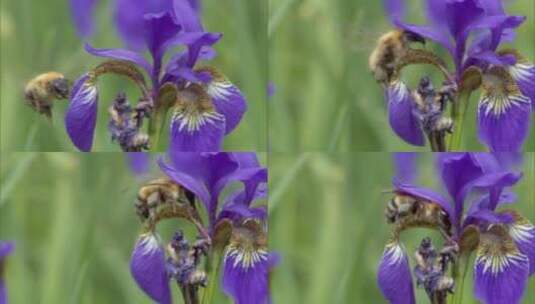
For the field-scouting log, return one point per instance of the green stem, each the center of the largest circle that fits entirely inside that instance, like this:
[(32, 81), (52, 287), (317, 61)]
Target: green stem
[(459, 278), (458, 114), (208, 295), (155, 128)]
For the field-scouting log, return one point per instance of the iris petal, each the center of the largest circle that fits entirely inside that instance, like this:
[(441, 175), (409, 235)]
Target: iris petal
[(147, 266), (199, 132), (246, 268), (120, 54), (227, 98), (500, 270), (82, 14), (524, 74), (523, 233), (401, 117), (81, 116), (394, 276), (503, 122)]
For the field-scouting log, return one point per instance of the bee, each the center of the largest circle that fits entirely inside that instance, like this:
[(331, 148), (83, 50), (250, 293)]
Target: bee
[(163, 198), (197, 277), (408, 211), (43, 89), (387, 56)]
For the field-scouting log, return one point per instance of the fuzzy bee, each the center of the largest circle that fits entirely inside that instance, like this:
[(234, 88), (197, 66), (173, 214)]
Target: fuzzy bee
[(163, 198), (407, 211), (388, 55), (41, 91)]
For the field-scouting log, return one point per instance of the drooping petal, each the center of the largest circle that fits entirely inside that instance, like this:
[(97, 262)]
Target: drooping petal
[(246, 266), (147, 266), (394, 275), (120, 54), (227, 98), (128, 17), (504, 120), (500, 269), (82, 14), (523, 233), (401, 114), (523, 72), (81, 116), (196, 125)]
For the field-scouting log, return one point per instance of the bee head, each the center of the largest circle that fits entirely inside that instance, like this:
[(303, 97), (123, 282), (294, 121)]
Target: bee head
[(413, 37), (60, 87)]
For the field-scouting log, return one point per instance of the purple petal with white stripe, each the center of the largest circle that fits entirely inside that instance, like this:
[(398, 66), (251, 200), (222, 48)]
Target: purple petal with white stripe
[(500, 269), (401, 114), (81, 116), (147, 266), (227, 99), (523, 233), (523, 73), (394, 275), (503, 122)]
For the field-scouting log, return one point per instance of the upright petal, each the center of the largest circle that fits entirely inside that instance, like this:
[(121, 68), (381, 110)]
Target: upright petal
[(82, 14), (500, 269), (246, 265), (406, 167), (129, 20), (147, 266), (401, 114), (186, 14), (81, 116), (504, 113), (394, 275), (523, 233), (159, 29), (196, 125), (227, 98)]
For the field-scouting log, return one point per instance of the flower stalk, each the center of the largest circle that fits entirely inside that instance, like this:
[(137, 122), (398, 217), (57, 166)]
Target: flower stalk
[(458, 114)]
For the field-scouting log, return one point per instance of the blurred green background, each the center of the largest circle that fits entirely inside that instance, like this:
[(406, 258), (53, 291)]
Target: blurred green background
[(73, 220), (326, 98), (327, 222), (38, 36)]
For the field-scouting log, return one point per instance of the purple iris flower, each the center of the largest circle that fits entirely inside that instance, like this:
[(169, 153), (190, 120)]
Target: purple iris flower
[(478, 184), (471, 31), (207, 105), (246, 260), (6, 248)]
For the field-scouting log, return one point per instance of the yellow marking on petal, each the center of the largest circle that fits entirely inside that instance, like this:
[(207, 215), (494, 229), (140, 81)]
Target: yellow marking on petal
[(194, 109), (497, 251), (500, 92), (248, 245)]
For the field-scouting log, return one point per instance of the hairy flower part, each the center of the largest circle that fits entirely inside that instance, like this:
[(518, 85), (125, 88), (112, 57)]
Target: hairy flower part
[(125, 124), (6, 248), (430, 270), (504, 113), (196, 125), (500, 271), (394, 275), (148, 268), (81, 116), (246, 265)]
